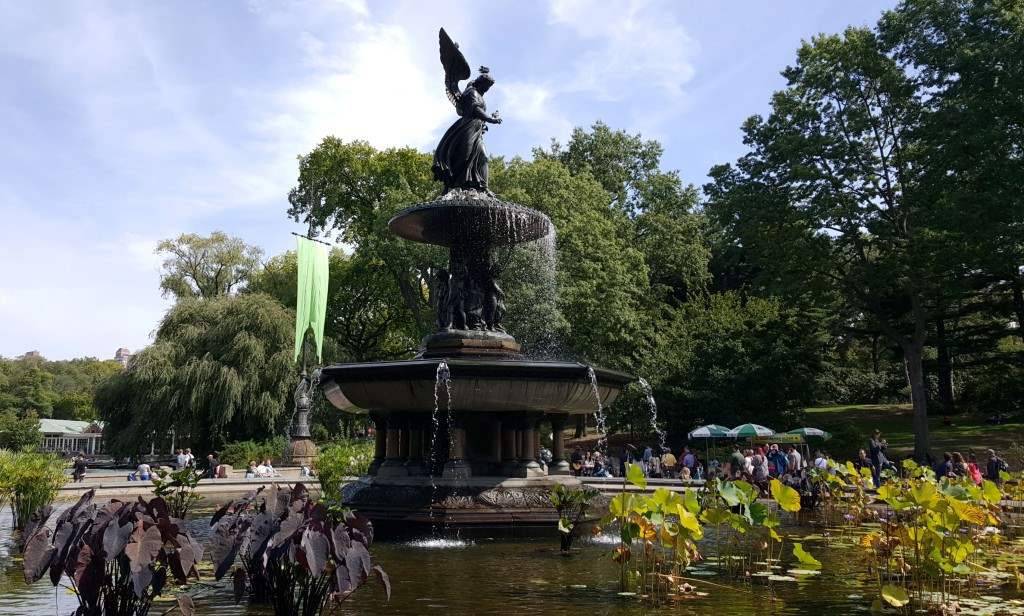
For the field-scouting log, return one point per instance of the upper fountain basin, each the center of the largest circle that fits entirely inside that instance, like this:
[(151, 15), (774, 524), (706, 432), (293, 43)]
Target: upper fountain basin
[(486, 385), (470, 217)]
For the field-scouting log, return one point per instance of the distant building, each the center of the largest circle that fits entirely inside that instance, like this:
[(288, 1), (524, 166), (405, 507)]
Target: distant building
[(123, 355), (32, 355), (67, 436)]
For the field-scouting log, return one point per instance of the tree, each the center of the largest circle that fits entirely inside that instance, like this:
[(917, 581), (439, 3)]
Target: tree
[(19, 433), (206, 267), (831, 187), (219, 370)]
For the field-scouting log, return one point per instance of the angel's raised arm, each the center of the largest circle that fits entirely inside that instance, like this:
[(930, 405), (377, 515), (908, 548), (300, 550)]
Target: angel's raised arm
[(455, 66)]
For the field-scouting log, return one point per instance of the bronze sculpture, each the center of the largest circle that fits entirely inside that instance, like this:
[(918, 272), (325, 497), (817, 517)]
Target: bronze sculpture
[(460, 160)]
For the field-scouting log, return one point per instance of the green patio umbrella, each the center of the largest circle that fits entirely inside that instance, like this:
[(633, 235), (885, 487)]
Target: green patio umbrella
[(709, 431), (811, 433), (748, 430)]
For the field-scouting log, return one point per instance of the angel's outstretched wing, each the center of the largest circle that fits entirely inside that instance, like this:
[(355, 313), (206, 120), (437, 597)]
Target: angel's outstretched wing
[(455, 66)]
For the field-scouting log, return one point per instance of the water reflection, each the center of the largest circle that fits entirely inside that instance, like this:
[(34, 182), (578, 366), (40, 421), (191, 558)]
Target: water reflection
[(504, 576)]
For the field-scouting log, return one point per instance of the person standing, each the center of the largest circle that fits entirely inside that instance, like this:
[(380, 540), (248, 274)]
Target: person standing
[(876, 453), (994, 466), (736, 462), (668, 464), (689, 460), (646, 459), (180, 460), (79, 467), (190, 460), (211, 465), (794, 461), (944, 468)]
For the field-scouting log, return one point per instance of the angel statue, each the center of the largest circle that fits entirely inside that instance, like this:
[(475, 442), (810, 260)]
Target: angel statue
[(460, 160)]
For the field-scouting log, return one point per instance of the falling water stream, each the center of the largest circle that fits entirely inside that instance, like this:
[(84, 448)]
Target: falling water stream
[(652, 409), (443, 378), (599, 415)]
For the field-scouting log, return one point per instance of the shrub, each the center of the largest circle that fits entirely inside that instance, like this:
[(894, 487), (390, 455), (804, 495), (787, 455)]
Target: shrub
[(239, 453), (342, 459), (19, 434), (28, 482)]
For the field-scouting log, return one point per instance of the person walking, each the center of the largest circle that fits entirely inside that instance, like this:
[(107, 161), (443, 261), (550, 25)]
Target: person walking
[(994, 466), (877, 447)]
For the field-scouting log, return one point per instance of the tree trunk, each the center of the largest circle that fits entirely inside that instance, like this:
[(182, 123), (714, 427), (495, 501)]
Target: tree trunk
[(945, 368), (913, 353), (1018, 305)]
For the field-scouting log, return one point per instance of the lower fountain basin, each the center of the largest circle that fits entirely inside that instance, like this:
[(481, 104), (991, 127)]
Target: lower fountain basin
[(476, 385)]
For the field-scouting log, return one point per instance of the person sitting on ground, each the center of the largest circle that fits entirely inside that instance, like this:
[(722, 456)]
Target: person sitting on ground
[(271, 471), (994, 466), (588, 464), (261, 470), (576, 461), (944, 468), (250, 471), (684, 474), (143, 472), (972, 468), (959, 466)]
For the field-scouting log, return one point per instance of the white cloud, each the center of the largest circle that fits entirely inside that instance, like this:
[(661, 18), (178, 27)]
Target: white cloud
[(634, 42)]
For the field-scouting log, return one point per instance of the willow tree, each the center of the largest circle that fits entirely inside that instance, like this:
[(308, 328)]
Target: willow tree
[(219, 370)]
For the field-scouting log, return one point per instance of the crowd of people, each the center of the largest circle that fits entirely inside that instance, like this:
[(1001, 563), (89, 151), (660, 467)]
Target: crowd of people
[(760, 464)]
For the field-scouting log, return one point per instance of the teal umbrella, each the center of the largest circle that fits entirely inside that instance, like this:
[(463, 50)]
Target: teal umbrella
[(749, 430), (709, 431), (811, 433)]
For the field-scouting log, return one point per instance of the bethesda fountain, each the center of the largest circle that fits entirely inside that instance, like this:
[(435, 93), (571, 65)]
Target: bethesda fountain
[(458, 427)]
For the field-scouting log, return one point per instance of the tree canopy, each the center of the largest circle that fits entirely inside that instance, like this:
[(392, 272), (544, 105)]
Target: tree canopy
[(205, 267)]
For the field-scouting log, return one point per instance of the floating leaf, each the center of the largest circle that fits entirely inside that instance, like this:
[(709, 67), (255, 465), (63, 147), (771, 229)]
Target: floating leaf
[(805, 559), (895, 596), (185, 605)]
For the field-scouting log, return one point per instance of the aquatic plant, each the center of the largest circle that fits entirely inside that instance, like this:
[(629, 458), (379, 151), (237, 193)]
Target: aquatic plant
[(178, 489), (29, 481), (572, 505), (116, 557), (294, 553), (935, 543)]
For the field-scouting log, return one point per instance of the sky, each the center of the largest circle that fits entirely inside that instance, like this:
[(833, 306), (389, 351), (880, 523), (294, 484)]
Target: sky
[(124, 123)]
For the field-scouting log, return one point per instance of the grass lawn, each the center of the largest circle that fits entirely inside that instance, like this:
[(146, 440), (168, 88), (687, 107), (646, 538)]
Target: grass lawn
[(896, 423)]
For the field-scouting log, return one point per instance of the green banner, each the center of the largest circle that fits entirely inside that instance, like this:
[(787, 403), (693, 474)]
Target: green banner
[(311, 302), (779, 438)]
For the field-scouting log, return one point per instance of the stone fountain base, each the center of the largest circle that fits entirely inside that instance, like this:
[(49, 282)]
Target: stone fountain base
[(414, 504)]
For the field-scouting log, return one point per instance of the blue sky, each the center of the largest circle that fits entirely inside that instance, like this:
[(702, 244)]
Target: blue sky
[(125, 123)]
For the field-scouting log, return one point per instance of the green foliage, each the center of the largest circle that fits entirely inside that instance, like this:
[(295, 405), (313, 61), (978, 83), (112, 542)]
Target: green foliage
[(339, 460), (19, 434), (28, 482), (220, 370), (571, 504), (58, 389), (206, 267), (177, 489), (239, 453)]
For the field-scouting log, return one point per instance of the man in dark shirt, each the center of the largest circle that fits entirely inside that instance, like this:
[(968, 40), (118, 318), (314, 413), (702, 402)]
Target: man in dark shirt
[(994, 465), (79, 468), (944, 468), (212, 464), (876, 453)]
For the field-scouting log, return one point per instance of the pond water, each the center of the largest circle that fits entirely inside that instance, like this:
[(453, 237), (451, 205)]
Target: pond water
[(526, 576)]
